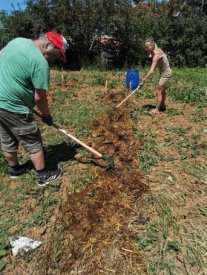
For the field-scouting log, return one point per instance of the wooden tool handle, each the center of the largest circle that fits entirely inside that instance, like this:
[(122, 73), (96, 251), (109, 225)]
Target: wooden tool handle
[(72, 137), (78, 141), (127, 97)]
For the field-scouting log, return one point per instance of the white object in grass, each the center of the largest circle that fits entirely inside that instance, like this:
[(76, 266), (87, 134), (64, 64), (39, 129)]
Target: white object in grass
[(23, 244)]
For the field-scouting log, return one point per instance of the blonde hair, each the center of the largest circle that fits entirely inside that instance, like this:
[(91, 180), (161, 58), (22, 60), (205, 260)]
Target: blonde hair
[(151, 42)]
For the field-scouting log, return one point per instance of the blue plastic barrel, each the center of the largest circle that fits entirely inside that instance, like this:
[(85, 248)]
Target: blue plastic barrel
[(132, 79)]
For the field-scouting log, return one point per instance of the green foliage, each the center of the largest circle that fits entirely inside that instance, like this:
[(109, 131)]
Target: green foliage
[(3, 164), (167, 267), (2, 265), (3, 252), (173, 246), (146, 241), (76, 114), (87, 178), (99, 80), (179, 131), (149, 153), (86, 21), (198, 115), (172, 112)]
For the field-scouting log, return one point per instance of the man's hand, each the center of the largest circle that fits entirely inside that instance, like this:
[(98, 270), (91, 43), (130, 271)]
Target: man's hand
[(47, 120)]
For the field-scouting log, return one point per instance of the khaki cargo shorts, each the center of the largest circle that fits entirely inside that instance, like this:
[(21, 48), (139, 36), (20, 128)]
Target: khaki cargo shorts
[(18, 129)]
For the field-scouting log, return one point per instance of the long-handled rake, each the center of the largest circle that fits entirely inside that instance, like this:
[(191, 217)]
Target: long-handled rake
[(128, 97), (106, 158)]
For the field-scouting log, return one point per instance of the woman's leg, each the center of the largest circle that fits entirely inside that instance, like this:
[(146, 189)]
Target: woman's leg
[(161, 95)]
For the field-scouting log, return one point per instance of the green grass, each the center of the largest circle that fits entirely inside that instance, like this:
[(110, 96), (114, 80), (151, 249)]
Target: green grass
[(148, 157), (169, 267), (86, 178), (57, 243), (174, 240), (149, 150), (13, 204), (77, 114), (3, 165), (186, 86), (198, 115), (147, 241), (99, 79), (160, 235), (171, 112), (74, 113), (181, 131), (196, 170), (189, 86)]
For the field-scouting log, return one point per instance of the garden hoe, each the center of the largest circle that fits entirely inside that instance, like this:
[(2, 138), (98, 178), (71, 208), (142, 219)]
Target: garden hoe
[(106, 158), (128, 97)]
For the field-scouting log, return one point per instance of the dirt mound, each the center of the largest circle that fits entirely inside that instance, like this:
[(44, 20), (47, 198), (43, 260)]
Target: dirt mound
[(97, 236)]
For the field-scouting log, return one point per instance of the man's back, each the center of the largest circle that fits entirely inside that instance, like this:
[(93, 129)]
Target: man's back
[(23, 68)]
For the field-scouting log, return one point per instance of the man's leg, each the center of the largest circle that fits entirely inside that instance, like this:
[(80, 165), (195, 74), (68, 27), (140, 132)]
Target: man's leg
[(11, 158), (16, 169), (38, 160), (44, 176), (23, 128)]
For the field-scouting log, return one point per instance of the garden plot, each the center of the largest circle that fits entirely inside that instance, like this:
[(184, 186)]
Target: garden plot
[(149, 216)]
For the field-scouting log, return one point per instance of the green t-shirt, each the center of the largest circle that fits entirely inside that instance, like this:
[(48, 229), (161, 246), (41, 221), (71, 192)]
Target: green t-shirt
[(23, 68)]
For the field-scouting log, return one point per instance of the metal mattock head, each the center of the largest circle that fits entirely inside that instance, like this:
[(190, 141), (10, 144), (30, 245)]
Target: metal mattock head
[(110, 161)]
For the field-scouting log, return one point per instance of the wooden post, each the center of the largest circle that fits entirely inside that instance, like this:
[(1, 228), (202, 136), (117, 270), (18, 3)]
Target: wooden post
[(106, 86), (62, 75)]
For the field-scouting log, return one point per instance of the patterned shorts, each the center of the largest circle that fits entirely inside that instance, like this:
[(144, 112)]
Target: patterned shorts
[(19, 128), (164, 80)]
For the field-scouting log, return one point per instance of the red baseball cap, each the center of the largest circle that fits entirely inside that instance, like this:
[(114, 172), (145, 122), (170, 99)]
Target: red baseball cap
[(59, 42)]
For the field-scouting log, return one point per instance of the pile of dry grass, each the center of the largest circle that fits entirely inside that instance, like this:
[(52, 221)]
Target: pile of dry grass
[(97, 237)]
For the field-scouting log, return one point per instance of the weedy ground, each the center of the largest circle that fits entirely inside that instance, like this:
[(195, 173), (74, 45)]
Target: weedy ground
[(149, 216)]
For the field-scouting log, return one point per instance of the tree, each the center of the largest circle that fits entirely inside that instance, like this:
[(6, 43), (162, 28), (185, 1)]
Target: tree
[(186, 8), (179, 26)]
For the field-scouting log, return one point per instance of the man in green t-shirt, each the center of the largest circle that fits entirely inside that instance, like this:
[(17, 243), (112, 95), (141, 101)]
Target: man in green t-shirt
[(24, 81)]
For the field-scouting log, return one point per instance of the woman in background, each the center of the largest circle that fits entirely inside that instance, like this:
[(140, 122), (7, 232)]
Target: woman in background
[(160, 60)]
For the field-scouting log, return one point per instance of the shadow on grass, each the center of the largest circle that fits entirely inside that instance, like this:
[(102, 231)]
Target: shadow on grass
[(148, 107), (59, 153)]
